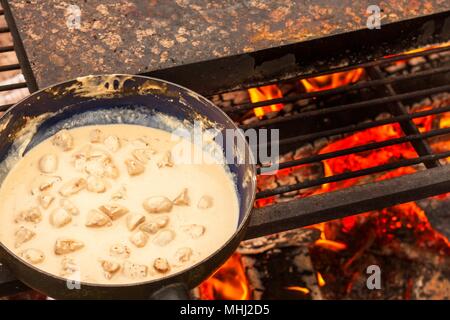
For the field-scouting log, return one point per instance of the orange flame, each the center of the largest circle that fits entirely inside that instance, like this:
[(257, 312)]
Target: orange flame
[(266, 93), (320, 281), (299, 289), (228, 283), (331, 81)]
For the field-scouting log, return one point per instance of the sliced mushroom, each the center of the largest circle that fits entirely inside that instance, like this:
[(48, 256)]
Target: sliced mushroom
[(68, 205), (139, 239), (161, 265), (153, 226), (195, 231), (97, 218), (45, 200), (133, 220), (120, 251), (48, 163), (80, 157), (96, 136), (68, 267), (110, 268), (164, 237), (30, 215), (142, 155), (134, 270), (134, 167), (72, 187), (205, 202), (112, 143), (63, 139), (113, 210), (60, 217), (33, 256), (166, 160), (183, 255), (111, 171), (23, 235), (67, 245), (157, 204), (182, 199), (43, 183), (95, 184), (119, 194)]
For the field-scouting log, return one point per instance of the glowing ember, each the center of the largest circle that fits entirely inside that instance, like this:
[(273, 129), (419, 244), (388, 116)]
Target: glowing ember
[(320, 281), (265, 93), (228, 283), (331, 81), (331, 245), (299, 289)]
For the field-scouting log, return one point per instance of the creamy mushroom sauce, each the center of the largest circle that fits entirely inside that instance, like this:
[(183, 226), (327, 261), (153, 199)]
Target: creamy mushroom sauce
[(109, 204)]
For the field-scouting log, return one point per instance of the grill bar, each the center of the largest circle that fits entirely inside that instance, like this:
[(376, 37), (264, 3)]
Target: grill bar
[(421, 146), (10, 67), (351, 175), (6, 49), (13, 86)]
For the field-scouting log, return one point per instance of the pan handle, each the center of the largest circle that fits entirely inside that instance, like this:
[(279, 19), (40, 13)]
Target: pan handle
[(174, 291)]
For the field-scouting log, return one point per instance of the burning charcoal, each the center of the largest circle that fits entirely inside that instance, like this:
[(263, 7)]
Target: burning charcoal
[(110, 268), (48, 163), (68, 267), (96, 136), (183, 255), (139, 239), (195, 231), (161, 265), (43, 183), (67, 205), (63, 139), (60, 217), (134, 270), (166, 160), (112, 143), (205, 202), (164, 237), (73, 186), (97, 218), (133, 220), (153, 226), (142, 155), (120, 251), (31, 215), (45, 200), (33, 256), (134, 167), (113, 210), (95, 184), (23, 235), (157, 204), (182, 199), (67, 245)]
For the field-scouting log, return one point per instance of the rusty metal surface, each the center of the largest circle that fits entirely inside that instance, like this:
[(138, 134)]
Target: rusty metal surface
[(138, 36)]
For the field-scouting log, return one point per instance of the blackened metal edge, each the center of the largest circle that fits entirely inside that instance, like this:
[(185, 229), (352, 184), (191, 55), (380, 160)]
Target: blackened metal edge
[(19, 48), (357, 199), (311, 58)]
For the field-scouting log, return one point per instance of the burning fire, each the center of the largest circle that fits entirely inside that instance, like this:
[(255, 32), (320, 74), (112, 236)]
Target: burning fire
[(266, 93), (331, 81), (229, 282)]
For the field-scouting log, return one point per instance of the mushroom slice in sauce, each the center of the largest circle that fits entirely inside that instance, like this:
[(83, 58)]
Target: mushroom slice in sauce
[(139, 239), (134, 270), (161, 265), (205, 202), (112, 143), (133, 220), (73, 186), (30, 215), (96, 136), (68, 205), (134, 167), (154, 225), (45, 200), (166, 160), (95, 184), (43, 183), (67, 245), (33, 256), (63, 139), (97, 218), (164, 237), (183, 255), (157, 204), (113, 210), (182, 199), (120, 251), (48, 163), (23, 235), (195, 231), (60, 217), (68, 267), (110, 268), (142, 155)]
